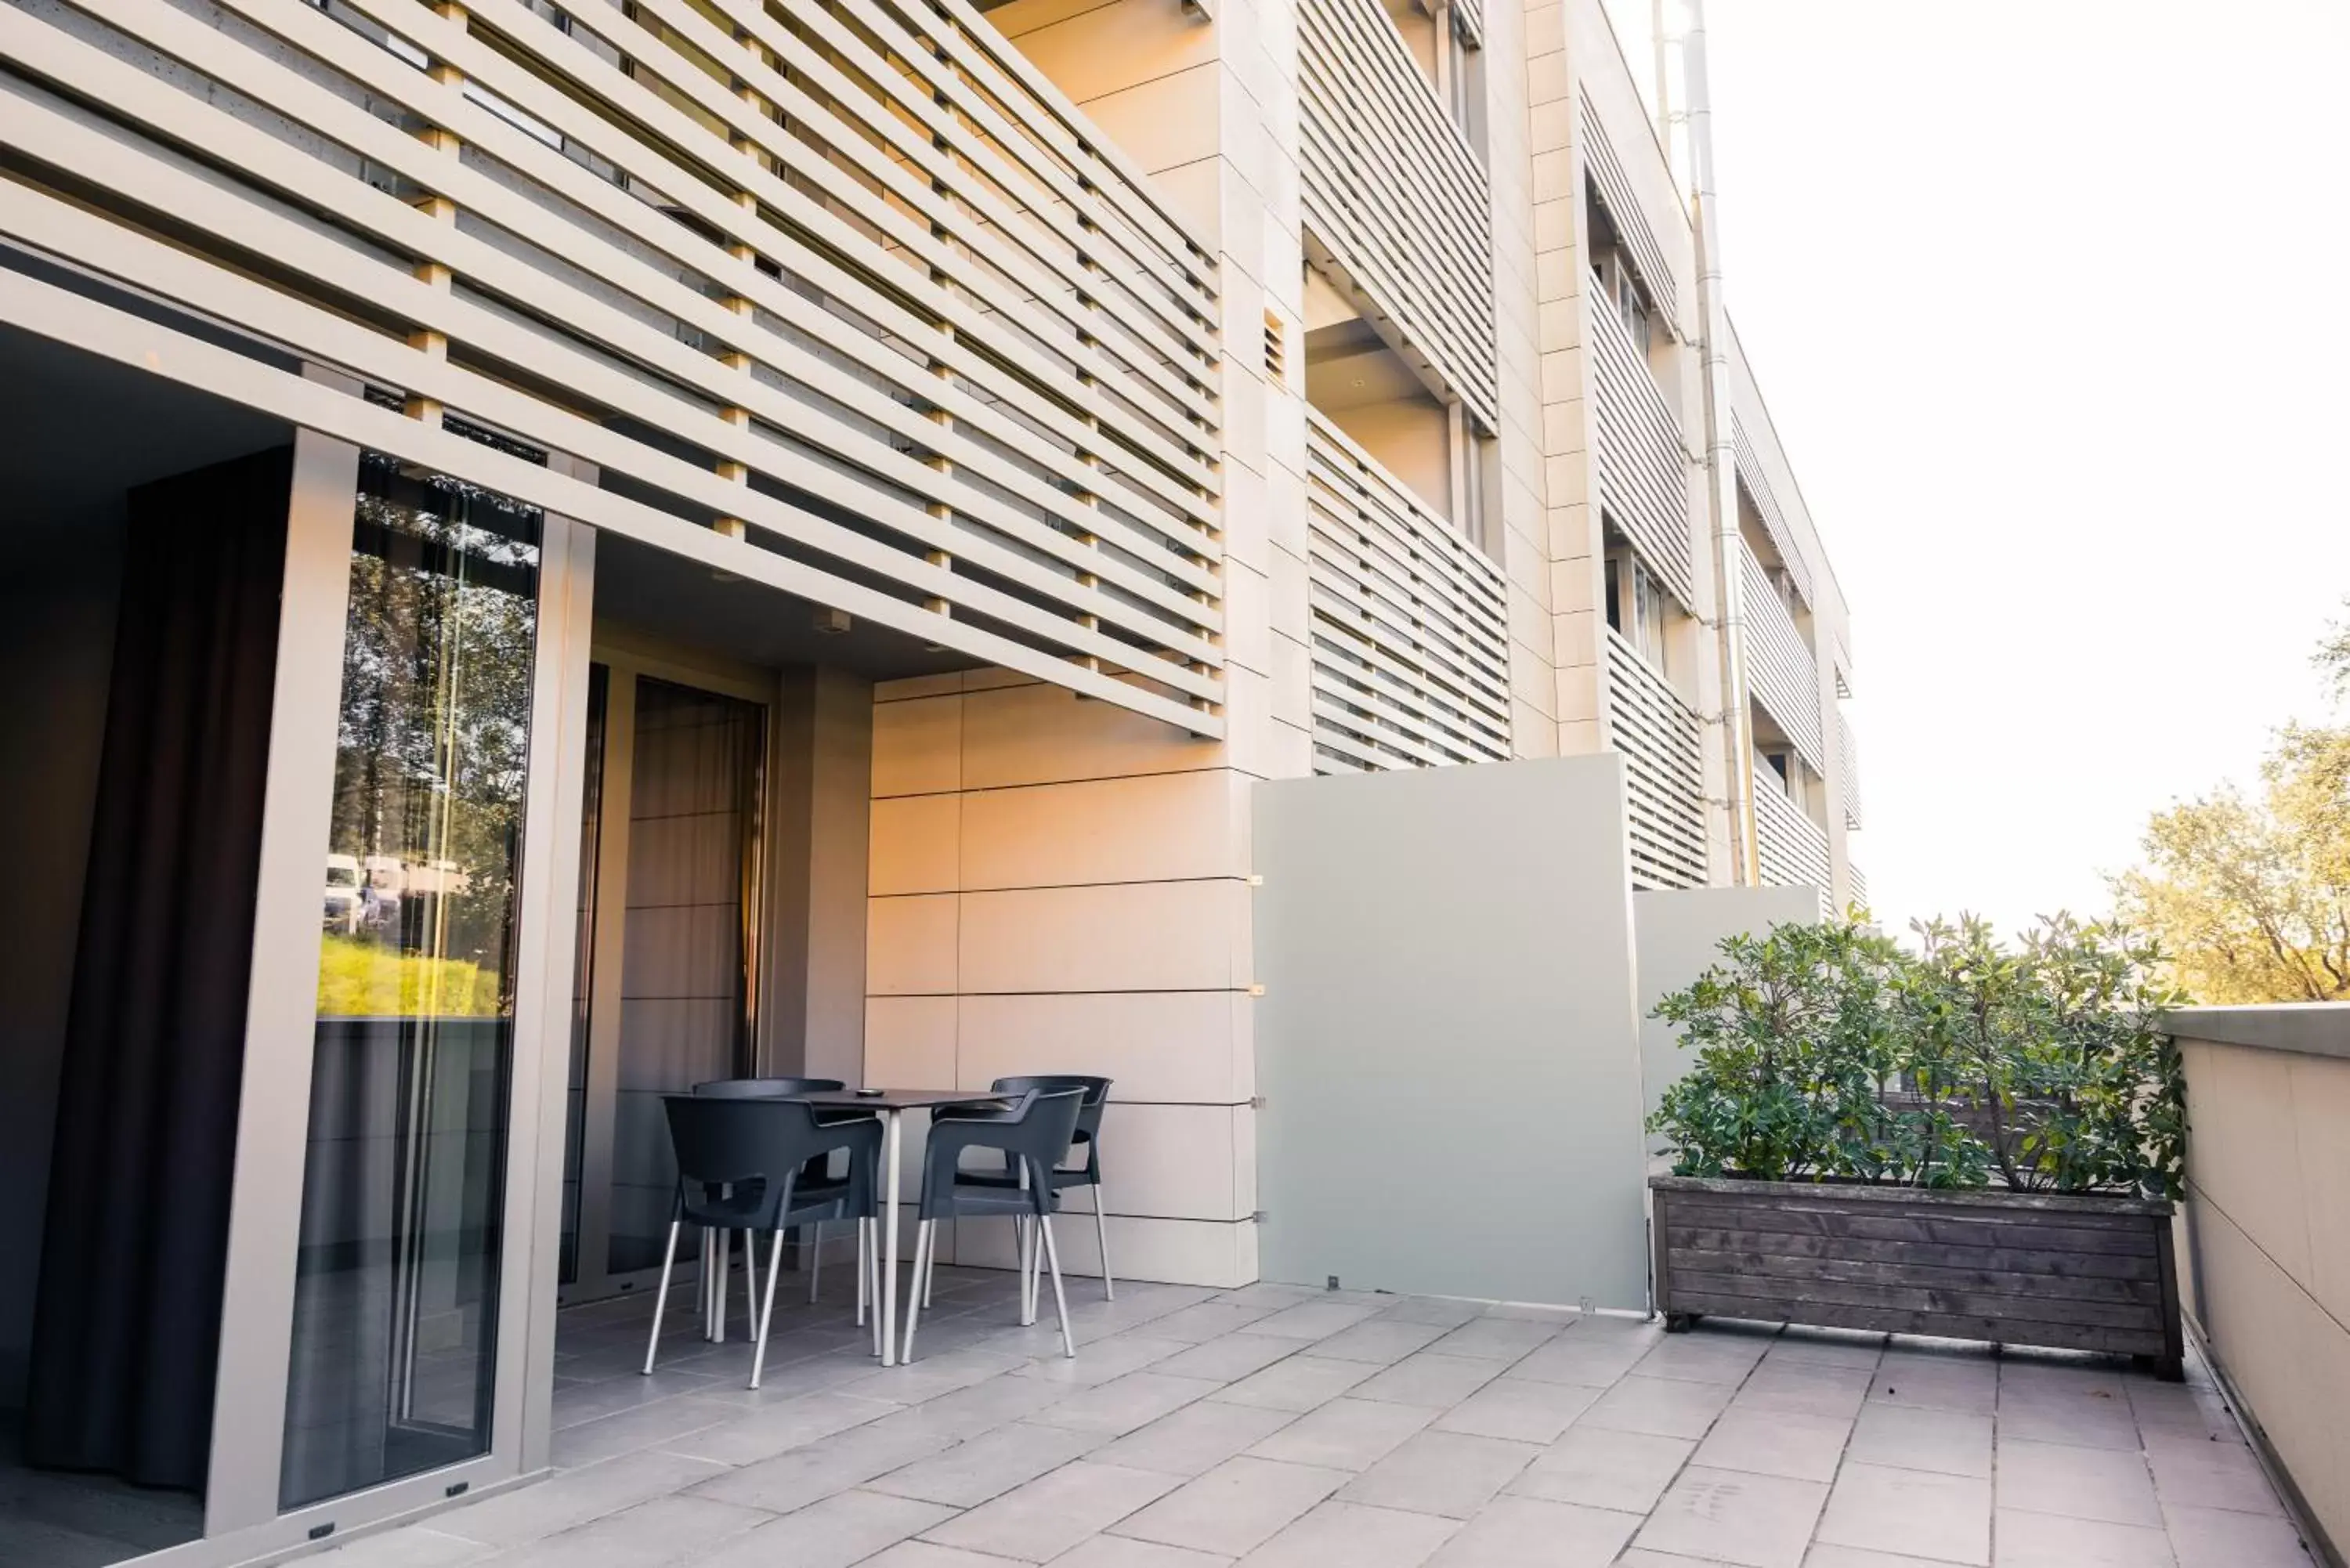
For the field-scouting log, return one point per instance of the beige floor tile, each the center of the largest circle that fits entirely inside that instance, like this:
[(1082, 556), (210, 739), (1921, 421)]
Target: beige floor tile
[(2203, 1471), (1946, 1518), (1756, 1522), (2079, 1483), (1625, 1471), (1348, 1535), (1038, 1521), (1530, 1533), (1918, 1438), (2048, 1540), (1195, 1439), (2224, 1538), (1235, 1508), (1125, 1403), (1775, 1443), (1662, 1406), (1441, 1472), (1520, 1410), (1438, 1382), (1299, 1383), (1345, 1434)]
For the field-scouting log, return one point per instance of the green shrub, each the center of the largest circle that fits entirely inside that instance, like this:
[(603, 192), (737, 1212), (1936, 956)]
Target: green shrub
[(1827, 1051)]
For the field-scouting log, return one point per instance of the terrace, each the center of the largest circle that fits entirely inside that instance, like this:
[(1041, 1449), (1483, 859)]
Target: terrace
[(1279, 1425)]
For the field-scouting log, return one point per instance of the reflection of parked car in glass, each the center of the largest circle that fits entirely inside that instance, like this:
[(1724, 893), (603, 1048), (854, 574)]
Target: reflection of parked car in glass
[(343, 900)]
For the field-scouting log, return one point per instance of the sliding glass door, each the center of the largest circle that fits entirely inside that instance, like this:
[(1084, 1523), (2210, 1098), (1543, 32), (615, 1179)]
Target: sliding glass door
[(397, 1285), (387, 1326)]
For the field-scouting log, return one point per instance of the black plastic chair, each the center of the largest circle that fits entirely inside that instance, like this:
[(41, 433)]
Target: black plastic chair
[(816, 1170), (1033, 1135), (739, 1163), (1088, 1134)]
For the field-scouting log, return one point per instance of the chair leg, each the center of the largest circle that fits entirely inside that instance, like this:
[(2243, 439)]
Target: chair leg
[(1060, 1299), (815, 1258), (864, 1274), (925, 1238), (1024, 1230), (767, 1311), (750, 1277), (930, 1274), (1101, 1236), (725, 1240), (660, 1298)]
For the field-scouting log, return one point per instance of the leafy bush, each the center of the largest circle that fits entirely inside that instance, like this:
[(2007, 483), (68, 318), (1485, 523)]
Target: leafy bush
[(1827, 1051)]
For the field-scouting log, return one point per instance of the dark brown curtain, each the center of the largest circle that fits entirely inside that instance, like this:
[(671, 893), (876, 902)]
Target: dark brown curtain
[(127, 1333)]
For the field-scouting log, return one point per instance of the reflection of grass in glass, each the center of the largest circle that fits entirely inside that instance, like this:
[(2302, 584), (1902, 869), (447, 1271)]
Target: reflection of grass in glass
[(360, 980)]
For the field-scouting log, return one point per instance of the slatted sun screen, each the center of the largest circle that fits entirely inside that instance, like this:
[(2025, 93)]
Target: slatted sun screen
[(1752, 474), (1410, 620), (1395, 204), (1791, 849), (1779, 667), (1850, 758), (1615, 188), (1664, 774), (1643, 467), (840, 297)]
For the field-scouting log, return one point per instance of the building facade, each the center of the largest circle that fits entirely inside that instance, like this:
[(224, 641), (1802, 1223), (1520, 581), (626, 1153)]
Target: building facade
[(568, 550)]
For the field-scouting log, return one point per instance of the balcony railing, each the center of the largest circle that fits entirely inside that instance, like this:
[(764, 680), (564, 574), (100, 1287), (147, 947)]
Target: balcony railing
[(1395, 202), (1791, 849), (1643, 467), (1780, 670), (1849, 761), (849, 282), (1664, 774), (1409, 622)]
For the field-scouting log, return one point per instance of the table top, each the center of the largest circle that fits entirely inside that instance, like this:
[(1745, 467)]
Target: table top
[(899, 1099)]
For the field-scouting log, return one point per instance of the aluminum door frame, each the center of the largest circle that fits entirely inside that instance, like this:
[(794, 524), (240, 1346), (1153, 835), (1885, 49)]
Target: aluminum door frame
[(627, 661), (243, 1521)]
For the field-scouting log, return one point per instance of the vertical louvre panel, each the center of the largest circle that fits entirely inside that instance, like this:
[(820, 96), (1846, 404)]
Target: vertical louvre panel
[(859, 287), (1766, 502), (1791, 849), (1395, 202), (1850, 760), (1410, 634), (1663, 777), (1779, 667), (1607, 172), (1859, 885), (1643, 466)]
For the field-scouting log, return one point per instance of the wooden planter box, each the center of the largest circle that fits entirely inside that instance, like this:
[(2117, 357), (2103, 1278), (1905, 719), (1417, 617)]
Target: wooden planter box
[(2071, 1272)]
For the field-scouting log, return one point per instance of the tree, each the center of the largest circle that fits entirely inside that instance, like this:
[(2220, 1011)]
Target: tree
[(2250, 897)]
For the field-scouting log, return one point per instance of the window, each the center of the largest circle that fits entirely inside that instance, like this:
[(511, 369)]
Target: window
[(1638, 609)]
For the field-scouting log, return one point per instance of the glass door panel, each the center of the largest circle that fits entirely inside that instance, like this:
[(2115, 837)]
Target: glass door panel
[(397, 1289)]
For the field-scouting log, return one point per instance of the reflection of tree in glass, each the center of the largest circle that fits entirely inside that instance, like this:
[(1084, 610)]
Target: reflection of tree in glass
[(433, 741)]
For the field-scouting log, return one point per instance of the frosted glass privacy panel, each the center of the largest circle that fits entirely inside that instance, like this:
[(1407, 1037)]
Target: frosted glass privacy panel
[(1446, 1044)]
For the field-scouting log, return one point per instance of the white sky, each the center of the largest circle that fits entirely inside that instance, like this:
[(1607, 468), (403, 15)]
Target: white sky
[(2051, 302)]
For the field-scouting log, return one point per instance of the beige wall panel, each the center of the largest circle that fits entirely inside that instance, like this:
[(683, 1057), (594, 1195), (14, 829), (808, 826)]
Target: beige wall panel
[(909, 1042), (1039, 734), (1150, 828), (1103, 49), (917, 745), (1163, 123), (1179, 1251), (1249, 596), (1189, 1047), (914, 845), (2246, 1154), (910, 945), (2321, 1113), (1408, 439), (1170, 935)]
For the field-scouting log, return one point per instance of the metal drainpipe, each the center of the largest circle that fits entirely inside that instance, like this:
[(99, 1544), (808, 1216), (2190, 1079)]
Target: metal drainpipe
[(1720, 456)]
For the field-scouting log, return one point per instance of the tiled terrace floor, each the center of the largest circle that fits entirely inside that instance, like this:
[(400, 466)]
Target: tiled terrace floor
[(1288, 1428)]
